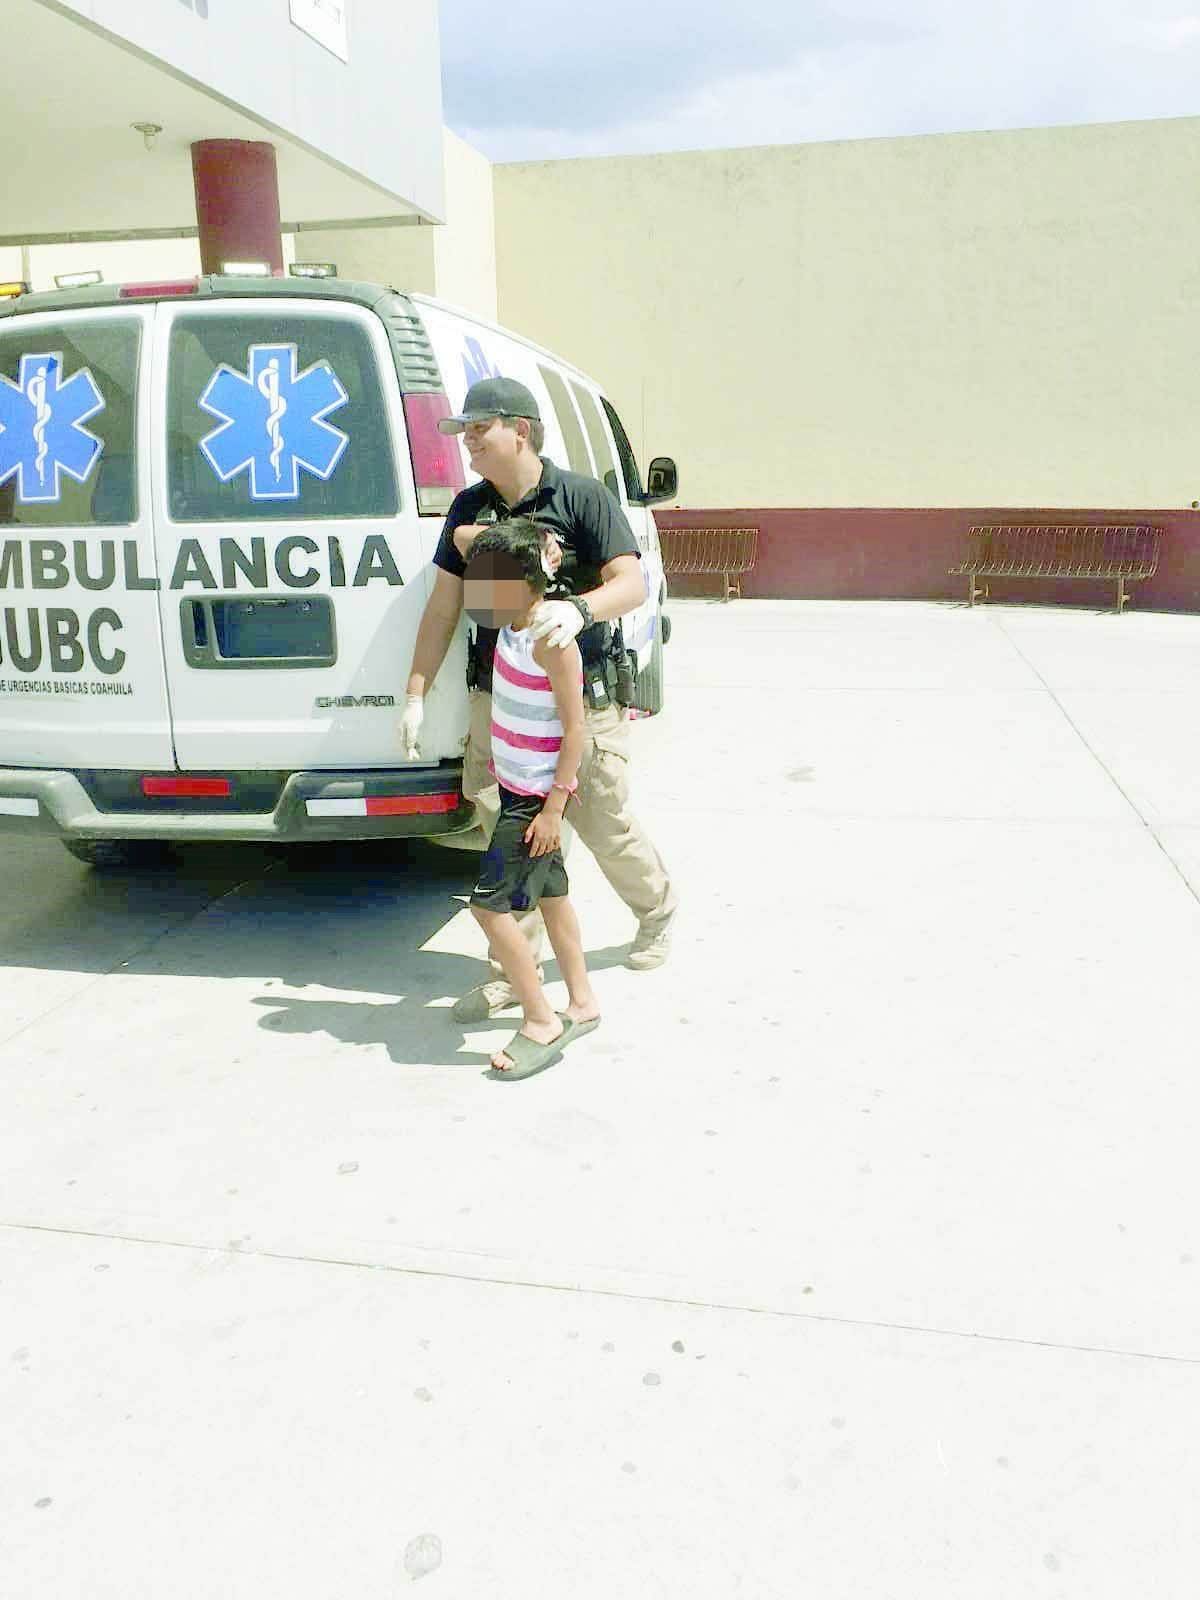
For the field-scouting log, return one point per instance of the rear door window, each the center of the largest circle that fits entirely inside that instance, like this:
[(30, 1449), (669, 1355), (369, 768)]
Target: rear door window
[(68, 410), (629, 467), (276, 416), (602, 455), (577, 456)]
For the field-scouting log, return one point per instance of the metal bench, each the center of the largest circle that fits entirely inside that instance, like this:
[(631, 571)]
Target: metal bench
[(729, 552), (1117, 553)]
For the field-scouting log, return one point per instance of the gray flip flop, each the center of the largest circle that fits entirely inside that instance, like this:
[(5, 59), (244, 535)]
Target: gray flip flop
[(573, 1030), (528, 1057)]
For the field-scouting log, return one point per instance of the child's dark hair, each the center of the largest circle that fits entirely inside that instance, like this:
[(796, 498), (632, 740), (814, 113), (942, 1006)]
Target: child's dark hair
[(518, 539)]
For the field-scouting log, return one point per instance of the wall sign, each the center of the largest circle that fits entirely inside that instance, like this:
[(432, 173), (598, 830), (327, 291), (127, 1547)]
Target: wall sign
[(324, 21)]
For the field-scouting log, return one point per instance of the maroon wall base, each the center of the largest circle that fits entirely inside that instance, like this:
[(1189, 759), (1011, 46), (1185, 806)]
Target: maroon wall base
[(815, 554), (237, 203)]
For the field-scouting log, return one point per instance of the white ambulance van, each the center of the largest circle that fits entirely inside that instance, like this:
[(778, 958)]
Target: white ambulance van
[(219, 500)]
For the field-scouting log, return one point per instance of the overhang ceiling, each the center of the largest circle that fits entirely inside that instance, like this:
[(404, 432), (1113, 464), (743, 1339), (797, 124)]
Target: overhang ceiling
[(72, 164)]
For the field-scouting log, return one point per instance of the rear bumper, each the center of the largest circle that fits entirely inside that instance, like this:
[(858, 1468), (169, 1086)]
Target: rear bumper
[(414, 803)]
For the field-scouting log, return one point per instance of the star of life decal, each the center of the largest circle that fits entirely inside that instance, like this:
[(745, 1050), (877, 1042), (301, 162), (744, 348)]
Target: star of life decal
[(41, 428), (477, 364), (273, 421)]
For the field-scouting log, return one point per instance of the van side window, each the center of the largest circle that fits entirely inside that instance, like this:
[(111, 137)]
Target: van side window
[(307, 433), (606, 469), (68, 423), (577, 456), (629, 467)]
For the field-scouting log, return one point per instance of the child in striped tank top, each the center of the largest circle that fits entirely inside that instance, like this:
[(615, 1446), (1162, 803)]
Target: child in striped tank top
[(537, 743)]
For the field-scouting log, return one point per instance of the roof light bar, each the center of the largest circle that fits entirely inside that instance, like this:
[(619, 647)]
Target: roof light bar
[(9, 291), (313, 269), (245, 269), (78, 280)]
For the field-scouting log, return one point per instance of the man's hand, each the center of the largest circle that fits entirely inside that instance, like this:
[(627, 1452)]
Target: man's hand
[(552, 550), (556, 621), (410, 726), (544, 833), (465, 536)]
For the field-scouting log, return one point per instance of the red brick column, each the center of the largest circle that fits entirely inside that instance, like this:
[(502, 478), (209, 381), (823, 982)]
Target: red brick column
[(237, 203)]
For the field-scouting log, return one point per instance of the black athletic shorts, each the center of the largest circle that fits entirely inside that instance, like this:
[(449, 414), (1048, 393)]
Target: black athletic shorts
[(510, 879)]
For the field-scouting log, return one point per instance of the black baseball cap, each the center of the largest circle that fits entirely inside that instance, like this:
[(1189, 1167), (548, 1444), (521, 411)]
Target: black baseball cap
[(493, 397)]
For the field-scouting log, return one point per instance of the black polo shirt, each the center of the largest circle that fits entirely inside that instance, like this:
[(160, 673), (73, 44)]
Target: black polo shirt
[(584, 517)]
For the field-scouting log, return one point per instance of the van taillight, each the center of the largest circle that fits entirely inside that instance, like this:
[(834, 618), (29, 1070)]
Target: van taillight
[(176, 288), (436, 458)]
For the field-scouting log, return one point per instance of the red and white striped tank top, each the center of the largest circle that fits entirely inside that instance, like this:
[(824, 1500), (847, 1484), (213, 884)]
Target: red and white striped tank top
[(526, 732)]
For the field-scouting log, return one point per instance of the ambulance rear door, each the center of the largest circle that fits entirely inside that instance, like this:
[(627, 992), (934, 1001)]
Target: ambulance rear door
[(81, 667), (293, 557)]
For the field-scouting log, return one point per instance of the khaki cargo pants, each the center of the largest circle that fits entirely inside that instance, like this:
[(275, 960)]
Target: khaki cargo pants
[(602, 817)]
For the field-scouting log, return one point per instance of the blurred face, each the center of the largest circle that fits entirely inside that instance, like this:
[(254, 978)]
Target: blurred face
[(495, 592), (492, 447)]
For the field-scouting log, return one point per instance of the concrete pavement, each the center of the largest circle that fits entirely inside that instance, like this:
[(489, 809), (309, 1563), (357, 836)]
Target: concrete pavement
[(855, 1256)]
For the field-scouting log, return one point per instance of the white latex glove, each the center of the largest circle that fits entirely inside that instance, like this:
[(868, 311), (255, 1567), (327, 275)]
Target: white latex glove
[(410, 726), (556, 621)]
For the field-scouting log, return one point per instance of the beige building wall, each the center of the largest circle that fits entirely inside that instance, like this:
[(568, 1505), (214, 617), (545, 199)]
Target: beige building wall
[(455, 261), (956, 320), (402, 257), (465, 248)]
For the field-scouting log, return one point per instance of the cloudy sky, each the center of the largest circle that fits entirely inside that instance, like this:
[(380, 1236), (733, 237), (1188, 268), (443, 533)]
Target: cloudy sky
[(541, 79)]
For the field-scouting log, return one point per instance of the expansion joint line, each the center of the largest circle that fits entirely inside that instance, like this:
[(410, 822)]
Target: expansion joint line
[(1100, 762), (544, 1285)]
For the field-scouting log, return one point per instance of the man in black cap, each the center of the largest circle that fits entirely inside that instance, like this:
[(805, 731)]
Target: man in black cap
[(599, 580)]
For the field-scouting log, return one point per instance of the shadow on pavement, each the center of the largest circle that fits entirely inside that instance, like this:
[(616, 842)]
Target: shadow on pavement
[(414, 1029), (345, 916), (59, 915)]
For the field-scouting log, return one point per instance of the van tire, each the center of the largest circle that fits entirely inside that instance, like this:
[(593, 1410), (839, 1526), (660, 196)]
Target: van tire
[(648, 692), (114, 855)]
